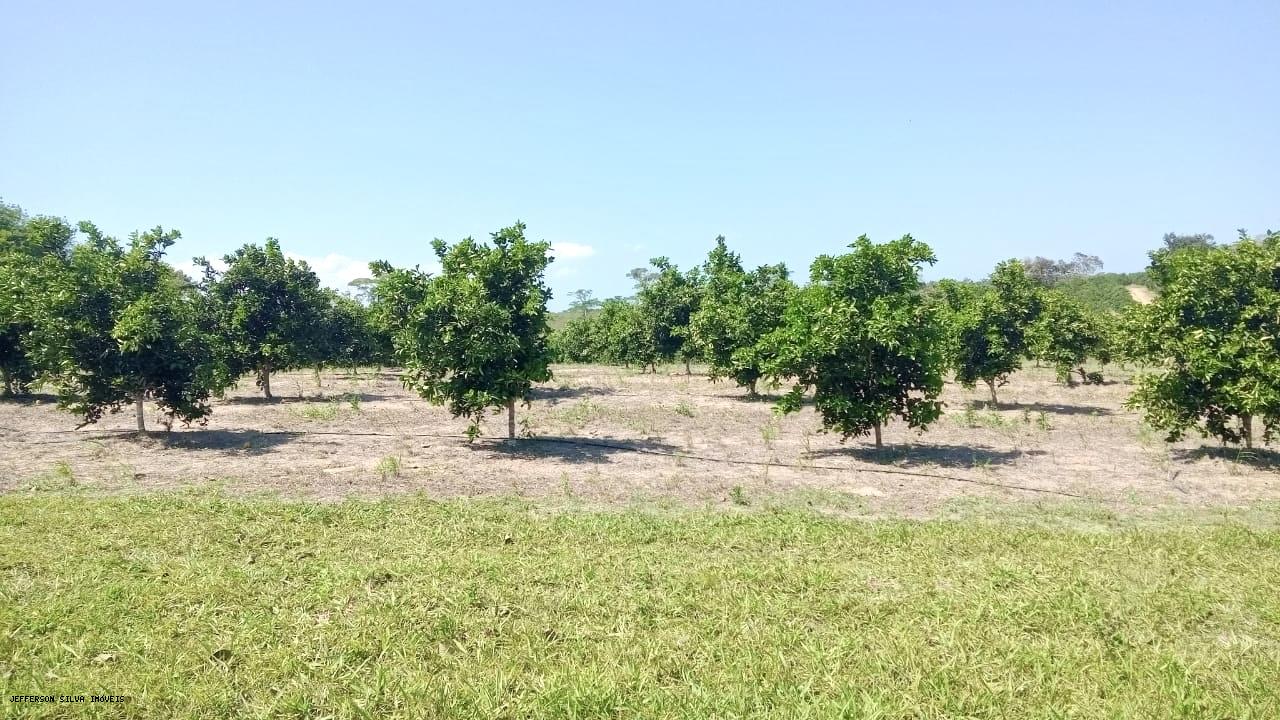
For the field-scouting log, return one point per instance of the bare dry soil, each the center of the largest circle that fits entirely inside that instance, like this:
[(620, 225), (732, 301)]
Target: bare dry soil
[(606, 436)]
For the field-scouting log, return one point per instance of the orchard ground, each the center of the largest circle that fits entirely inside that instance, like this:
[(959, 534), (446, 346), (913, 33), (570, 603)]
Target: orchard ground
[(613, 437), (344, 553)]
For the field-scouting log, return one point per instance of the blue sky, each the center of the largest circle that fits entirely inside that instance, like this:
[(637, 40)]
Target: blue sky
[(622, 131)]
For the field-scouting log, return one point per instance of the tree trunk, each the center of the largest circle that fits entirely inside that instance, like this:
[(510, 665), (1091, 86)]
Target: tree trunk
[(751, 391), (991, 383), (653, 366), (264, 377), (687, 371), (140, 411), (879, 442), (511, 418), (1246, 423), (6, 389)]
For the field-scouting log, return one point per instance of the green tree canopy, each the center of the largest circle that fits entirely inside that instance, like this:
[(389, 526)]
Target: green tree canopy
[(1213, 337), (270, 311), (394, 294), (579, 341), (737, 310), (478, 338), (987, 326), (350, 336), (666, 303), (116, 324), (25, 243), (1065, 335), (624, 335), (861, 336)]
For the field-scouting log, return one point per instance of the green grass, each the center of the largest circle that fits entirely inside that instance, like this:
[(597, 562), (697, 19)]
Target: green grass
[(389, 466), (317, 411), (1104, 292), (202, 606)]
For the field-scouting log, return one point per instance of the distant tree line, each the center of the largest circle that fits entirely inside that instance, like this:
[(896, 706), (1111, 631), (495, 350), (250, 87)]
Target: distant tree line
[(108, 324)]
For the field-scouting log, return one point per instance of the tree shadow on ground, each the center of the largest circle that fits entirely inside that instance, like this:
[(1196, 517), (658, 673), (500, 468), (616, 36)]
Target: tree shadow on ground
[(383, 375), (289, 399), (556, 394), (30, 399), (1261, 458), (949, 456), (240, 442), (571, 449), (760, 397), (1054, 408)]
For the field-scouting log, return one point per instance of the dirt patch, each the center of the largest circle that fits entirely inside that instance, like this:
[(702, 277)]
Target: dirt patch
[(611, 436), (1141, 294)]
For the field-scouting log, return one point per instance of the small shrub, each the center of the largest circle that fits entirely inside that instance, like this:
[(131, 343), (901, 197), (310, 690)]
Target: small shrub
[(389, 467), (318, 411), (60, 477), (738, 496), (990, 419), (769, 431), (580, 414), (684, 408)]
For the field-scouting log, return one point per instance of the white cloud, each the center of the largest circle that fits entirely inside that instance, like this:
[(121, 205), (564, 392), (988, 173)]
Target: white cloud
[(571, 250), (194, 271), (334, 270)]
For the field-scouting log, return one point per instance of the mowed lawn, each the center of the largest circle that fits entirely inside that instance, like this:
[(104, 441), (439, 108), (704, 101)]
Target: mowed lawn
[(204, 606)]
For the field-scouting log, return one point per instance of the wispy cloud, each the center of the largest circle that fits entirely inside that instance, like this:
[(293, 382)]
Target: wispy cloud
[(571, 250), (334, 270)]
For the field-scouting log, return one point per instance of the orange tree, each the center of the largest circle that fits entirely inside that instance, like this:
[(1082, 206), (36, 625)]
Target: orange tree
[(863, 339), (476, 336), (736, 311), (987, 327), (117, 325), (1212, 336), (269, 309)]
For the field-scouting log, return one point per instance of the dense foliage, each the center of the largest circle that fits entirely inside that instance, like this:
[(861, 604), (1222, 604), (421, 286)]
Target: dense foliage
[(737, 310), (667, 301), (107, 324), (476, 337), (270, 311), (987, 327), (115, 324), (349, 336), (1064, 335), (1103, 292), (25, 243), (862, 338), (1213, 335)]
